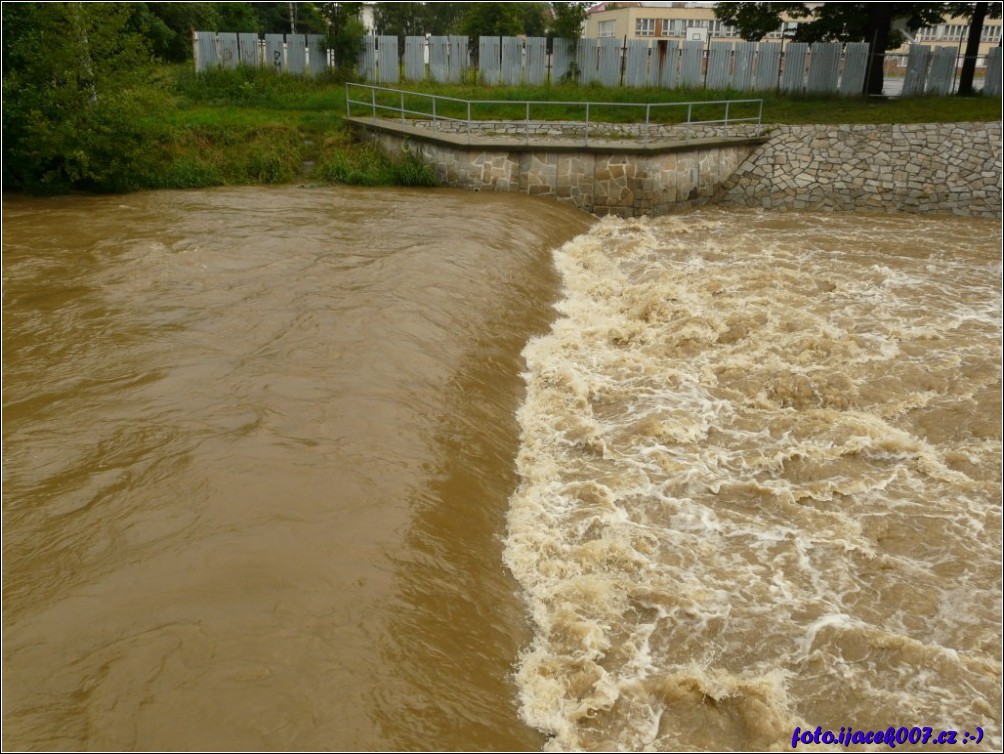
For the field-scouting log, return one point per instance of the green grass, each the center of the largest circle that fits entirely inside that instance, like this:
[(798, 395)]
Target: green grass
[(255, 126), (776, 109)]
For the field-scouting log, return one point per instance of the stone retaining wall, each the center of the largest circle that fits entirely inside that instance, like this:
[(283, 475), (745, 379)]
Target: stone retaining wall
[(933, 167), (949, 167), (596, 181)]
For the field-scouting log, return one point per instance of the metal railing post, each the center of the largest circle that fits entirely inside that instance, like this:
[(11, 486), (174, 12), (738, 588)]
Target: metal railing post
[(348, 101), (373, 101), (648, 119), (690, 110), (527, 133), (586, 142), (468, 121), (727, 117), (435, 119), (402, 108)]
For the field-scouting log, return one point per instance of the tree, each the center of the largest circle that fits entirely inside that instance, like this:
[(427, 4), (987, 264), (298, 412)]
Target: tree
[(844, 22), (536, 17), (492, 20), (345, 32), (168, 26), (236, 17), (568, 19), (977, 13), (399, 19), (443, 18), (74, 97), (286, 18)]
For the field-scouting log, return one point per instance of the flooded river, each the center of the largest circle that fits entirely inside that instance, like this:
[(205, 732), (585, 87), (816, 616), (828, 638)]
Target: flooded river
[(280, 471)]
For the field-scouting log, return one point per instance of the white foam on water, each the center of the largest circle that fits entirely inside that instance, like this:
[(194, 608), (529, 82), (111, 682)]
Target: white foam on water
[(761, 482)]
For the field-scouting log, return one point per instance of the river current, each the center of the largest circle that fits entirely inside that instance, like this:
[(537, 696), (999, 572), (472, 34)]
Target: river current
[(313, 468)]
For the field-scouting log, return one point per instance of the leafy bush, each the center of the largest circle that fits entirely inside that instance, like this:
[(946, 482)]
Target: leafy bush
[(359, 165), (75, 98)]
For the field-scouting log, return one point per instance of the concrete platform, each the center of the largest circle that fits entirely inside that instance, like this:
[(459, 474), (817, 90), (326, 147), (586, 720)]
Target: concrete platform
[(539, 143)]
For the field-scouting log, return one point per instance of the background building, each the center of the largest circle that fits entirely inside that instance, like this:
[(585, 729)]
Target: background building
[(682, 20)]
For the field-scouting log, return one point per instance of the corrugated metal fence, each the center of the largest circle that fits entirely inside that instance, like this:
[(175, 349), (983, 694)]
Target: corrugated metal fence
[(289, 53), (793, 68)]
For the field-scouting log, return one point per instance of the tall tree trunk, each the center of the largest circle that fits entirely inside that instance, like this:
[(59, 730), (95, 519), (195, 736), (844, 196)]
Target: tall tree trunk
[(972, 50), (879, 21)]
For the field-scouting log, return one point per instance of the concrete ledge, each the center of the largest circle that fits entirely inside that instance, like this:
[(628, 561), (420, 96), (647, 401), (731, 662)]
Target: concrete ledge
[(536, 143)]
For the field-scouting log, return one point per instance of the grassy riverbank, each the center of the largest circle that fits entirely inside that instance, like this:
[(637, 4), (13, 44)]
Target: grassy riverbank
[(254, 126)]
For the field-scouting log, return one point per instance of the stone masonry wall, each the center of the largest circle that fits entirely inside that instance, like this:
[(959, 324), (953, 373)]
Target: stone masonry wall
[(935, 167), (596, 181), (949, 167)]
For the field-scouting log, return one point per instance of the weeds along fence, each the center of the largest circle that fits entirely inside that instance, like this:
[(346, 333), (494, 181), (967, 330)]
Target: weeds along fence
[(788, 67)]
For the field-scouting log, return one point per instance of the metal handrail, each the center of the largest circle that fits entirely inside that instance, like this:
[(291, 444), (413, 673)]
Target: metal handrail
[(436, 116)]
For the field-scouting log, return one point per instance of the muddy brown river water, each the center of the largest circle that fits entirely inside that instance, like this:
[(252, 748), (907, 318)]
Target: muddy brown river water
[(280, 471)]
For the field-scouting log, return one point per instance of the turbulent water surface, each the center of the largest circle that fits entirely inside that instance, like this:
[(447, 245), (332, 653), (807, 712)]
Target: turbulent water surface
[(270, 467), (761, 485)]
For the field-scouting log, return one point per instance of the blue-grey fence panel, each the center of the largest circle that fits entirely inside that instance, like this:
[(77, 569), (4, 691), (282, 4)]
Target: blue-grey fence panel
[(458, 58), (512, 60), (636, 66), (205, 46), (367, 59), (536, 60), (388, 61), (669, 65), (414, 58), (916, 70), (250, 49), (824, 62), (317, 54), (588, 60), (852, 81), (742, 76), (296, 53), (691, 76), (561, 60), (992, 81), (439, 58), (230, 55), (610, 61), (489, 60), (719, 57), (768, 66), (939, 77), (275, 56), (793, 70)]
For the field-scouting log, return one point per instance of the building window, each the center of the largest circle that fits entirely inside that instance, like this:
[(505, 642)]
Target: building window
[(607, 28), (955, 31), (991, 33), (644, 27), (718, 29)]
